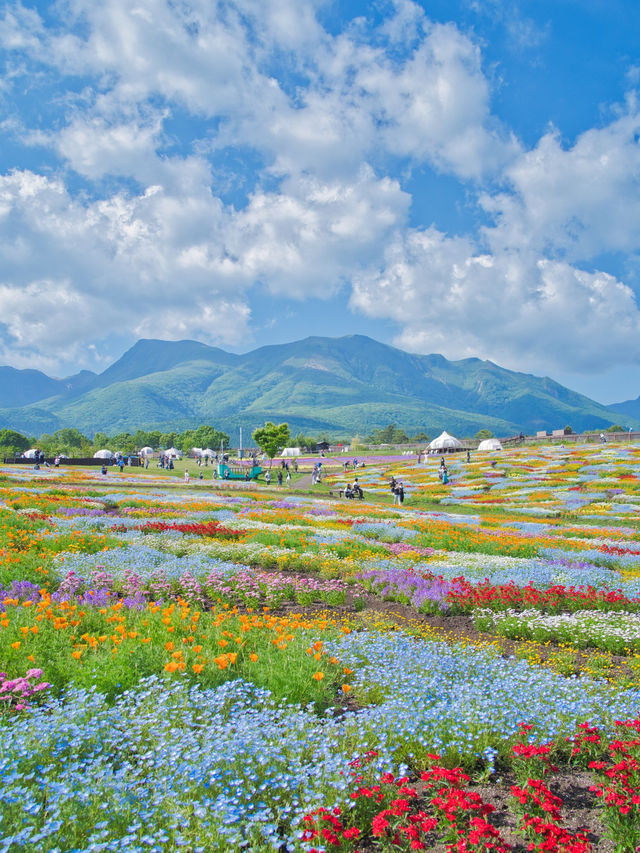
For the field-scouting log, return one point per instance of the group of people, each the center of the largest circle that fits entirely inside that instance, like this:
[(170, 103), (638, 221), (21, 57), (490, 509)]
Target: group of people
[(397, 490), (443, 473), (279, 476), (353, 490), (347, 464)]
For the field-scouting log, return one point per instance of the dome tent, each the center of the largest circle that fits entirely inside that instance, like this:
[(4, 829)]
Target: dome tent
[(173, 452), (30, 454), (103, 454), (208, 452), (146, 451), (490, 444), (445, 442)]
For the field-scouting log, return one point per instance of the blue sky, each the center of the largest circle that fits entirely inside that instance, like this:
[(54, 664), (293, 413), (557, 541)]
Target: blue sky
[(455, 176)]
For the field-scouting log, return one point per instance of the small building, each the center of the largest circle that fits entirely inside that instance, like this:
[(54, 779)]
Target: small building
[(444, 443), (490, 444)]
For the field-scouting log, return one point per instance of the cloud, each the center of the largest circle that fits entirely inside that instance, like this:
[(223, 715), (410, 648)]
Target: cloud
[(575, 202), (173, 262), (513, 308)]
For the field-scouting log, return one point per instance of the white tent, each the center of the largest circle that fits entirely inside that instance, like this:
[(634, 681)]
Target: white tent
[(146, 451), (490, 444), (208, 452), (173, 452), (29, 454), (291, 451), (197, 451), (445, 442), (103, 454)]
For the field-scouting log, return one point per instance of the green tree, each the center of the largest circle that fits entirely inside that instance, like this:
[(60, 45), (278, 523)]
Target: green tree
[(614, 428), (301, 440), (186, 440), (568, 430), (484, 433), (100, 440), (422, 436), (271, 438), (71, 441), (12, 442), (208, 436), (168, 439), (390, 434), (123, 442)]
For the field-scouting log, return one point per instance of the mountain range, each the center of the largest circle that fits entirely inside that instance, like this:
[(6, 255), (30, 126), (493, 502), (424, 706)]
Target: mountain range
[(340, 386)]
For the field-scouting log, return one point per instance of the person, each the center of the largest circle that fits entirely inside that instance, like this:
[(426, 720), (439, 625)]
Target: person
[(267, 478), (468, 456), (357, 491), (295, 465), (442, 462), (171, 466), (400, 494), (392, 483), (348, 491), (227, 474), (121, 464), (56, 462), (103, 470), (280, 476), (201, 476), (396, 494), (602, 438), (445, 476), (146, 462), (186, 476), (288, 477)]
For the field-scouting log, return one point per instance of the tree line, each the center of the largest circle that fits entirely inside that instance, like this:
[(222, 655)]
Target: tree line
[(72, 442)]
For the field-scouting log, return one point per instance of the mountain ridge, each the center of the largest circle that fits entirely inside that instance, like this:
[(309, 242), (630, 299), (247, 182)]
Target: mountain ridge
[(335, 385)]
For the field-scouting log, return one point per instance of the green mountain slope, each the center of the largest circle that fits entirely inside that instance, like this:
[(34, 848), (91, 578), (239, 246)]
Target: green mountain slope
[(338, 385)]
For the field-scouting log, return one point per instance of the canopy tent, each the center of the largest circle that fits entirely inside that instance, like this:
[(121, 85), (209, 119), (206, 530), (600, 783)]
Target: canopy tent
[(173, 452), (445, 442), (197, 451), (103, 454), (30, 454), (146, 451), (208, 452), (291, 451), (490, 444)]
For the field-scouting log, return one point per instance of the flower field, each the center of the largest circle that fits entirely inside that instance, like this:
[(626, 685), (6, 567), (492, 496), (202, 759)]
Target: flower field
[(201, 668)]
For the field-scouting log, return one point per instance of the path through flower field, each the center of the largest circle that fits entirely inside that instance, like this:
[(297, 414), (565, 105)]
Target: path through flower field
[(285, 670)]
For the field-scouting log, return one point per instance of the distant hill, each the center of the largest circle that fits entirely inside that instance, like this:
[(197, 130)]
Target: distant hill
[(629, 408), (341, 386)]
